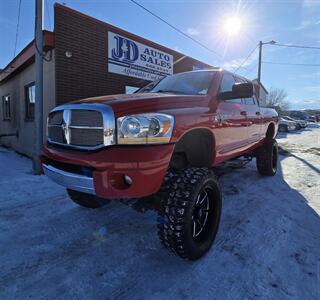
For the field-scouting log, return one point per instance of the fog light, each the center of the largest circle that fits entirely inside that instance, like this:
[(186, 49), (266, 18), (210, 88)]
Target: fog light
[(127, 179)]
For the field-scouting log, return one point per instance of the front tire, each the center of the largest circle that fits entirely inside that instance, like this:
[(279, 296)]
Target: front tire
[(86, 200), (267, 158), (190, 214)]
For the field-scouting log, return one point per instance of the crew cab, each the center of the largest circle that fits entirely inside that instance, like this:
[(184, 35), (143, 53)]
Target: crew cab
[(163, 142)]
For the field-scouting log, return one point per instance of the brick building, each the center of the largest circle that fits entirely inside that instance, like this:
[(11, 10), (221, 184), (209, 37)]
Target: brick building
[(83, 57)]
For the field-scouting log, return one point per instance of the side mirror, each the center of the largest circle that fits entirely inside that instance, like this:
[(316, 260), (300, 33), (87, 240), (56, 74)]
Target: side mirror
[(239, 90)]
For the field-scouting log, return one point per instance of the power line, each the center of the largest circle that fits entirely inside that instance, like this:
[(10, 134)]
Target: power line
[(251, 70), (17, 31), (296, 46), (176, 29), (290, 64), (245, 60)]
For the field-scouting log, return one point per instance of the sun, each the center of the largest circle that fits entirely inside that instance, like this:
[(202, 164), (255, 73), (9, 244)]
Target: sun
[(232, 25)]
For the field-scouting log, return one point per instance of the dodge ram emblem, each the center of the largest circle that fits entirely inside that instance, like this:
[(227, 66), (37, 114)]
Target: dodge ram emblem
[(65, 125)]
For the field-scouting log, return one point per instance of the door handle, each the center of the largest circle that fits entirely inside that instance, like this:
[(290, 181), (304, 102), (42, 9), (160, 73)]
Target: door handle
[(243, 113), (258, 113)]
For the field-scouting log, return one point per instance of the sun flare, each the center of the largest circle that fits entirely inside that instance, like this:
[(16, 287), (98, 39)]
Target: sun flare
[(232, 25)]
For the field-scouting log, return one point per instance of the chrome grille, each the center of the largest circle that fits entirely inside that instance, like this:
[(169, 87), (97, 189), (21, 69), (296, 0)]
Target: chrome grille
[(85, 137), (82, 126), (81, 117)]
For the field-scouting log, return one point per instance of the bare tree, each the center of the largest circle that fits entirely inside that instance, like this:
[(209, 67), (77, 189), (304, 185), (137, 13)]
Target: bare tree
[(277, 98)]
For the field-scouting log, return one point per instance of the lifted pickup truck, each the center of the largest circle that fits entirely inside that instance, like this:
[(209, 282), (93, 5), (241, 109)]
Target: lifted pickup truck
[(166, 143)]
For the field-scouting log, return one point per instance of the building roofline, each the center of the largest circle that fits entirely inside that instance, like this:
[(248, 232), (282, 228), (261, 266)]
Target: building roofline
[(26, 55), (125, 32)]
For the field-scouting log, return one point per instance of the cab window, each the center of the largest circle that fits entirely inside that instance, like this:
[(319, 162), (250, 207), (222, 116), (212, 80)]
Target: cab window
[(249, 101), (226, 83), (226, 86)]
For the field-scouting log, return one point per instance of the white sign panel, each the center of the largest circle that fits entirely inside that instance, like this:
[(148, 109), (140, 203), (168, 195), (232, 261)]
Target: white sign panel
[(130, 58)]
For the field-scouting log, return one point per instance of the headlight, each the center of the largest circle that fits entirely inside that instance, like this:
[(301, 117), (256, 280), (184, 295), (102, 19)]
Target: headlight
[(145, 129)]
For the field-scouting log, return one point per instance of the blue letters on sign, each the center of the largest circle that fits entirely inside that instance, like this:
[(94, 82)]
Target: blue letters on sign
[(126, 51)]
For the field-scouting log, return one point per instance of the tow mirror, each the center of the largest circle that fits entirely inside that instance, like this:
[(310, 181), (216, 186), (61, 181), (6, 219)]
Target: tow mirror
[(239, 90)]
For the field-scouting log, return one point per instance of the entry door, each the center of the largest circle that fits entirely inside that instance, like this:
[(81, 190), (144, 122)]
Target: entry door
[(232, 132)]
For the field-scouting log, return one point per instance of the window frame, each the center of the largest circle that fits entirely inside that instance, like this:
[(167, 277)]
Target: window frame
[(4, 111), (26, 100)]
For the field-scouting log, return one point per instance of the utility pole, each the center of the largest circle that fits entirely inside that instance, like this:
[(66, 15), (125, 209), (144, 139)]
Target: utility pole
[(38, 112), (259, 66)]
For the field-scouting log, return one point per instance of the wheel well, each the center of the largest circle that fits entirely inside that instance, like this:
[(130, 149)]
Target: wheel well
[(194, 149), (270, 131)]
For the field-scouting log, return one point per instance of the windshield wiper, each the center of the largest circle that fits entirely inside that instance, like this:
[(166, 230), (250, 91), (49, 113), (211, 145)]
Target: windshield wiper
[(169, 91)]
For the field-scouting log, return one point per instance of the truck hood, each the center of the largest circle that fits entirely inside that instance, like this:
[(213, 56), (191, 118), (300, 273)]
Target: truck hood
[(147, 102)]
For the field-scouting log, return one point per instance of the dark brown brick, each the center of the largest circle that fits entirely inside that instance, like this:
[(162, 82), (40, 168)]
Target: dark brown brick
[(86, 73)]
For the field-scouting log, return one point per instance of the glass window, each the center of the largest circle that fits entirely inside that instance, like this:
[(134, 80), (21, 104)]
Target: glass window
[(226, 83), (240, 80), (189, 83), (30, 101), (249, 101), (131, 89), (226, 87), (147, 88), (6, 109)]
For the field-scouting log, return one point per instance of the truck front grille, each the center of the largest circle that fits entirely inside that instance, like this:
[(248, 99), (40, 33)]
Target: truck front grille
[(82, 126)]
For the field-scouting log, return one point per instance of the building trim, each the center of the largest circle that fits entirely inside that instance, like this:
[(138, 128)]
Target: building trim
[(128, 34), (26, 56)]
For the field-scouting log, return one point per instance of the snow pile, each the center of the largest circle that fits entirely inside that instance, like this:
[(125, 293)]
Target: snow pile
[(268, 245)]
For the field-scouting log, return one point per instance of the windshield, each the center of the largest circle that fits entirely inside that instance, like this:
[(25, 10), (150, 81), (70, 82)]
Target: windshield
[(189, 83)]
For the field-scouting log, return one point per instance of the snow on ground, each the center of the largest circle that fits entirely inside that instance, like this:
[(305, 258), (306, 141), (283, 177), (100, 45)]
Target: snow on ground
[(268, 245)]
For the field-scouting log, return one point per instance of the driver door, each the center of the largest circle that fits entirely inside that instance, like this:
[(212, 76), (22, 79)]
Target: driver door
[(231, 135)]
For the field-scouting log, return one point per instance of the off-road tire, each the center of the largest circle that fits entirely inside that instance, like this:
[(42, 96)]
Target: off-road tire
[(86, 200), (180, 195), (267, 158)]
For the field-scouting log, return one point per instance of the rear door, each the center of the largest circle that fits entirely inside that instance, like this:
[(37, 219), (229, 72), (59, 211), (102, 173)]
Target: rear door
[(232, 133), (254, 118)]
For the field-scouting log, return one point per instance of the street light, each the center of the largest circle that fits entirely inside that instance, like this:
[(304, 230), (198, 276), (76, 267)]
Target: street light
[(260, 55)]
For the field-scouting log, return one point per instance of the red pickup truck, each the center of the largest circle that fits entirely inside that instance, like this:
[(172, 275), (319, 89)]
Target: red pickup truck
[(163, 141)]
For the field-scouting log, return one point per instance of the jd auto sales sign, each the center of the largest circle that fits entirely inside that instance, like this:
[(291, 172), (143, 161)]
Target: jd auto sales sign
[(130, 58)]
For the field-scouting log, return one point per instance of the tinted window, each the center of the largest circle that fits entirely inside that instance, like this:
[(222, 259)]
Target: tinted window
[(189, 83)]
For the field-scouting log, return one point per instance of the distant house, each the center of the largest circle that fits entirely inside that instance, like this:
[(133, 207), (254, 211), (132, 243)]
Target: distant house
[(262, 92)]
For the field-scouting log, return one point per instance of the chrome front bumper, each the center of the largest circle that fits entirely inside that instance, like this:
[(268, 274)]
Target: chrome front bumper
[(69, 180)]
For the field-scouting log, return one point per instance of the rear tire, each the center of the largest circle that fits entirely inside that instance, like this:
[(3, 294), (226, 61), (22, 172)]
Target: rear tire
[(190, 213), (267, 158), (86, 200)]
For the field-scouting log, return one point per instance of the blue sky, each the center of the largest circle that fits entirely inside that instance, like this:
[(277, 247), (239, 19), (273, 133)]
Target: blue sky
[(288, 22)]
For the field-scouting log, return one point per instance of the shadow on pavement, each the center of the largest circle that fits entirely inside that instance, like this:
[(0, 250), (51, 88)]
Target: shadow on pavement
[(267, 247)]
